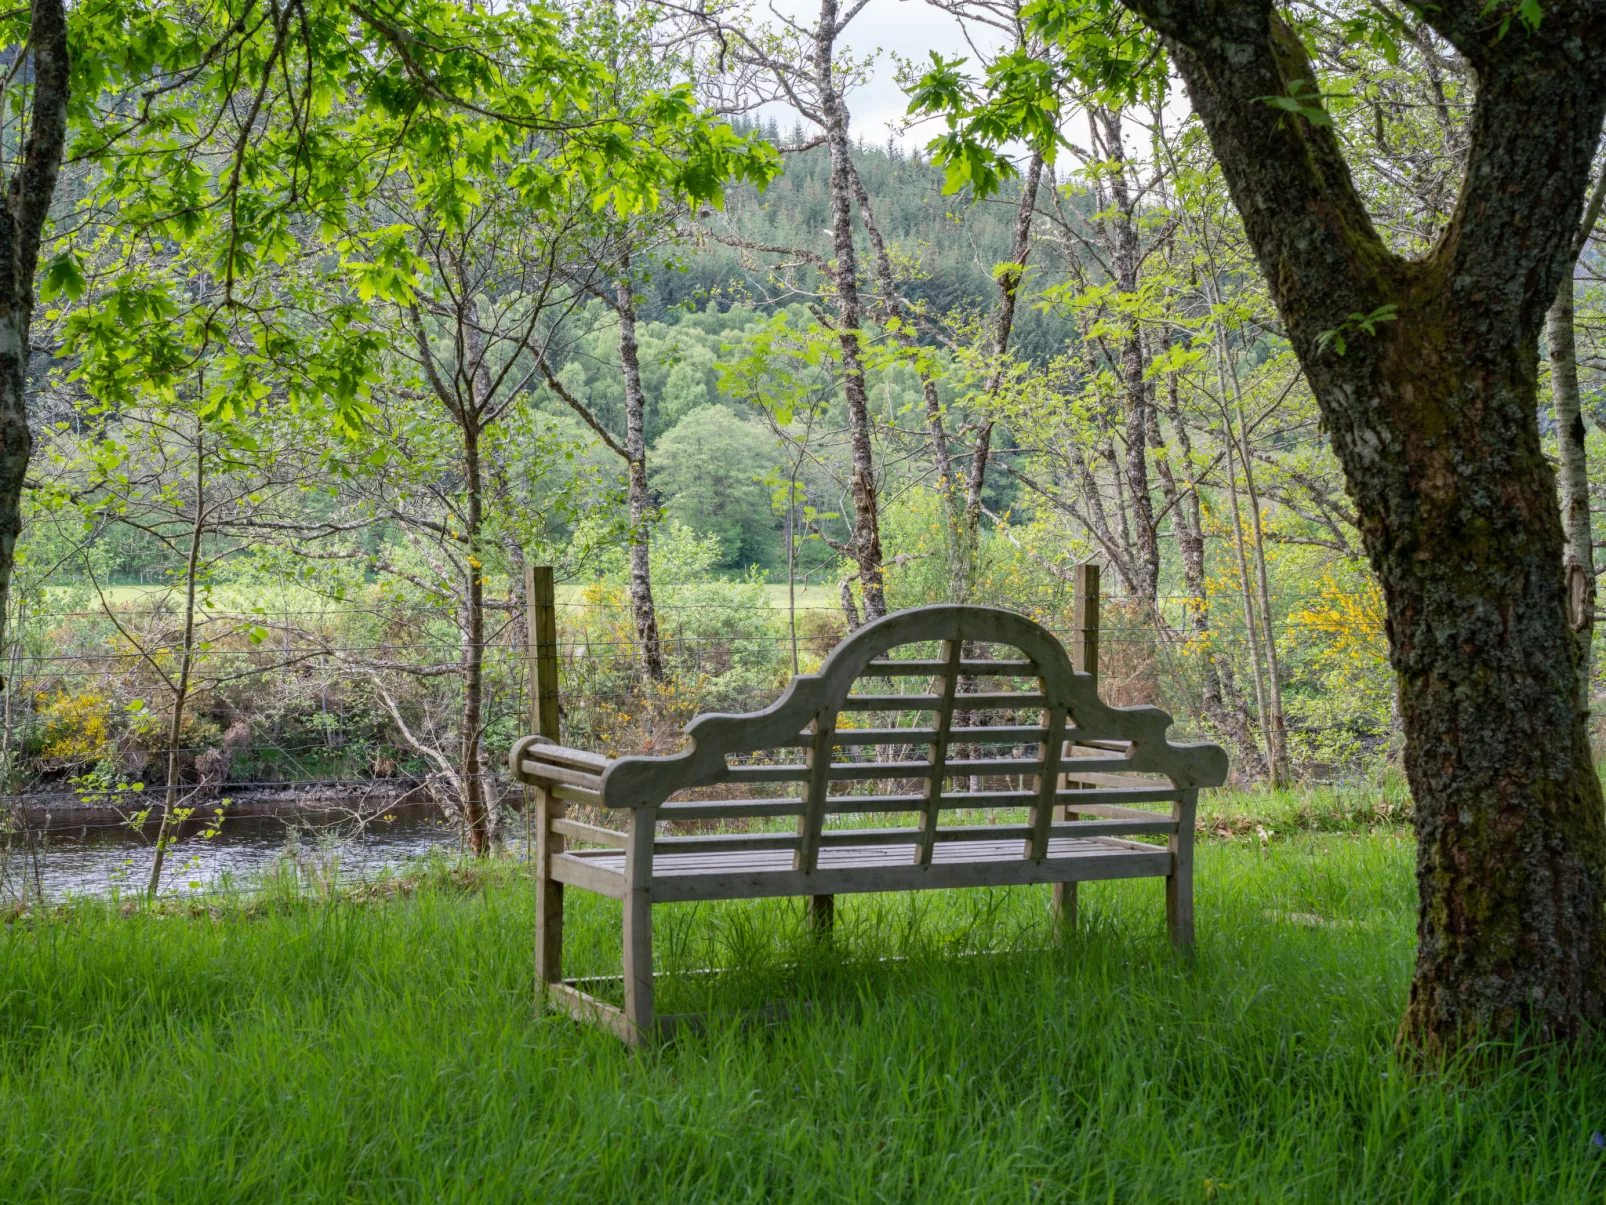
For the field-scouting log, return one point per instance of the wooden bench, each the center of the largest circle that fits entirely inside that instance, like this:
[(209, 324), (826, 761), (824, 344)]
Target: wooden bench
[(992, 716)]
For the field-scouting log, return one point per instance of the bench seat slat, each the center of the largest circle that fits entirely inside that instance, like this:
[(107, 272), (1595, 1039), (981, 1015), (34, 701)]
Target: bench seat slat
[(850, 869), (735, 843)]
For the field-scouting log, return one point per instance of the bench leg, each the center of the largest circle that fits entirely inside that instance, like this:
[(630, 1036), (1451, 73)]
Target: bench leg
[(822, 914), (1063, 907), (638, 966), (548, 895), (1063, 902), (1179, 910), (1179, 883)]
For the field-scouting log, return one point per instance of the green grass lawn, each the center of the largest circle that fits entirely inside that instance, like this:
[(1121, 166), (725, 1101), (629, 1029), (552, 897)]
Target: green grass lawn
[(280, 1049)]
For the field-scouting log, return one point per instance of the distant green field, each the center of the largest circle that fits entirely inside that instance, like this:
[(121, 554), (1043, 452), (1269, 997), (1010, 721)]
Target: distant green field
[(280, 598)]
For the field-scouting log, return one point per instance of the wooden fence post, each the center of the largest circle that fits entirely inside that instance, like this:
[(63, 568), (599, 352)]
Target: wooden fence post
[(1084, 659), (1085, 621), (543, 618), (543, 653)]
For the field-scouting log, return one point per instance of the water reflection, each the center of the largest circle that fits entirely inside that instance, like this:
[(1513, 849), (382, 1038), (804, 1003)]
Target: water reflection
[(95, 853)]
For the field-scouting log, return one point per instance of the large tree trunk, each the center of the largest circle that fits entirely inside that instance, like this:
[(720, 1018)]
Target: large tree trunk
[(1431, 402), (22, 221), (641, 604), (849, 316)]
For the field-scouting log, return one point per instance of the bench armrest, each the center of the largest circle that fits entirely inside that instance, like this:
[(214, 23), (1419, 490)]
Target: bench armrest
[(572, 774)]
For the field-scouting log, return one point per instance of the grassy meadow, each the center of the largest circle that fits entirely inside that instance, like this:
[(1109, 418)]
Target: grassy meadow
[(380, 1046)]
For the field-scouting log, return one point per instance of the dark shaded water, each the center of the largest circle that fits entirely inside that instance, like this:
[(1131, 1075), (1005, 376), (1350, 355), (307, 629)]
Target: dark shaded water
[(94, 853)]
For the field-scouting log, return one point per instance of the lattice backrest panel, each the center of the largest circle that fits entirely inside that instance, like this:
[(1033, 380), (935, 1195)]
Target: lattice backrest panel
[(937, 710)]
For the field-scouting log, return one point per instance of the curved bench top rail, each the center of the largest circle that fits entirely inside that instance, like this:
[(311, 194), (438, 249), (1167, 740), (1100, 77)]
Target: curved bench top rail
[(1069, 701)]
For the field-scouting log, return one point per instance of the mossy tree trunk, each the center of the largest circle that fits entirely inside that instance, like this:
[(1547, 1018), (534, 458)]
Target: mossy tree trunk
[(23, 213), (1426, 372)]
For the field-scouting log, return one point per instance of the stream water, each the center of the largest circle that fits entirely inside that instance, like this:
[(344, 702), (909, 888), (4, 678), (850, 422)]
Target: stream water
[(95, 853)]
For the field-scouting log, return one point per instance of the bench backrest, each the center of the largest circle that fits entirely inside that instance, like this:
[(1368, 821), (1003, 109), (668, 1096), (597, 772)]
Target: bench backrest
[(949, 709)]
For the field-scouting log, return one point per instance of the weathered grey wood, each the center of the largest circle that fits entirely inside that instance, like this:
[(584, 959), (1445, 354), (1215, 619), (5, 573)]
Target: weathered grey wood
[(1099, 778), (548, 890), (1042, 816), (581, 831), (936, 770), (822, 914), (1179, 883), (590, 871), (638, 926), (544, 752), (633, 781), (819, 761), (549, 774), (905, 875), (589, 1010), (726, 842), (1088, 759), (590, 799), (1085, 620), (540, 596)]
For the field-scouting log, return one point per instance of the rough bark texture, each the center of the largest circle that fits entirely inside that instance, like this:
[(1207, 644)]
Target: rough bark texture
[(849, 316), (641, 604), (1433, 417), (22, 222)]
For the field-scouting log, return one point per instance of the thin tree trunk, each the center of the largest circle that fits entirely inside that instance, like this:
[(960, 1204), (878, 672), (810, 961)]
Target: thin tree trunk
[(641, 602), (1573, 465), (476, 807), (181, 691), (1277, 734), (1218, 698), (866, 517), (1009, 282), (1573, 477), (1125, 256), (1251, 637)]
